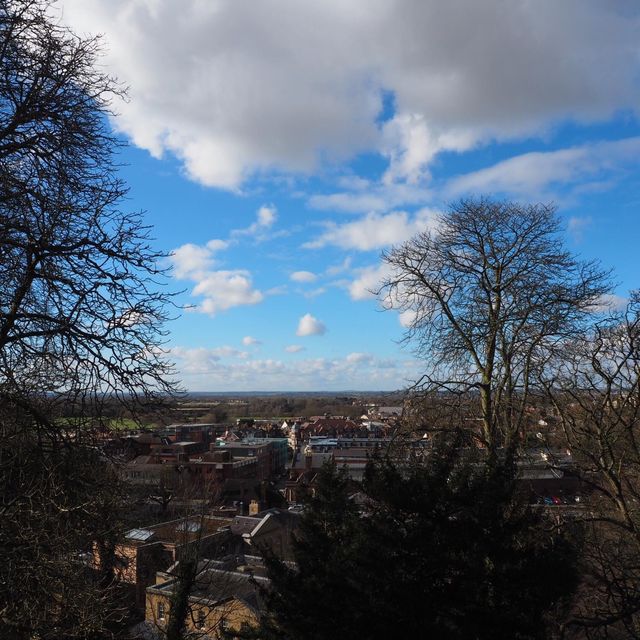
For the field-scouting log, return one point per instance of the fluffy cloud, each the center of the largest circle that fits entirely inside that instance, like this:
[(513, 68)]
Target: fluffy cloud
[(310, 326), (265, 219), (219, 289), (232, 90), (190, 259), (248, 341), (368, 280), (410, 144), (223, 290), (303, 276), (266, 216), (228, 352), (374, 231), (407, 317)]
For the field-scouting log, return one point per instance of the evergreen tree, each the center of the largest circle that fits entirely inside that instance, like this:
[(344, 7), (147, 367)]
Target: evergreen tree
[(325, 550), (439, 549)]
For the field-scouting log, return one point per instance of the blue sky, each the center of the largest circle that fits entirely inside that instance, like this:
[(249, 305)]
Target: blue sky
[(279, 146)]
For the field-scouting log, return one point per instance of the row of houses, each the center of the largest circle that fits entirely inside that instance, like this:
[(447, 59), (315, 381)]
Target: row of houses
[(228, 468), (224, 594), (301, 430)]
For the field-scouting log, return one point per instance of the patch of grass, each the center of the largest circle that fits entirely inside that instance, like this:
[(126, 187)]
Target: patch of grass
[(124, 424), (116, 424)]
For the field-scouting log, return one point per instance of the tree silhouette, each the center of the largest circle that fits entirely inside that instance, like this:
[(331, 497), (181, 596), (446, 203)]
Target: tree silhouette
[(437, 549), (488, 292), (82, 306)]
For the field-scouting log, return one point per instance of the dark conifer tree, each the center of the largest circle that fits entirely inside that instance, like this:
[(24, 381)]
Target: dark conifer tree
[(436, 549)]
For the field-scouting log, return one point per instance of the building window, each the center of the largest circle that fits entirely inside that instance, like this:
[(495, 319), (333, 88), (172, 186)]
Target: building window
[(161, 611)]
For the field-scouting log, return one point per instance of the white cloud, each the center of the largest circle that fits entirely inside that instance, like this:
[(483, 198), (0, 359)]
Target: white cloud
[(407, 317), (228, 352), (233, 90), (217, 245), (303, 276), (204, 370), (266, 216), (374, 231), (359, 358), (194, 262), (368, 280), (265, 219), (294, 348), (219, 289), (532, 173), (202, 359), (611, 302), (190, 259), (223, 290), (310, 326), (408, 144), (250, 340), (128, 319), (373, 198), (195, 360)]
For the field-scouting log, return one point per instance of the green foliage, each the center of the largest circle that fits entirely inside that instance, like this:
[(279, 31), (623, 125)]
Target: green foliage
[(321, 596), (437, 549)]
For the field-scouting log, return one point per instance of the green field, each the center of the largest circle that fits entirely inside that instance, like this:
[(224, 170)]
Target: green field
[(116, 424)]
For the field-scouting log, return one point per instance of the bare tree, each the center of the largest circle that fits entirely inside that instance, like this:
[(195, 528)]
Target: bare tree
[(488, 292), (82, 305), (594, 385)]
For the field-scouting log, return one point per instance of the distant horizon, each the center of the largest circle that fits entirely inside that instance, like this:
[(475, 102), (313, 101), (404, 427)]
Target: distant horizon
[(346, 392)]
